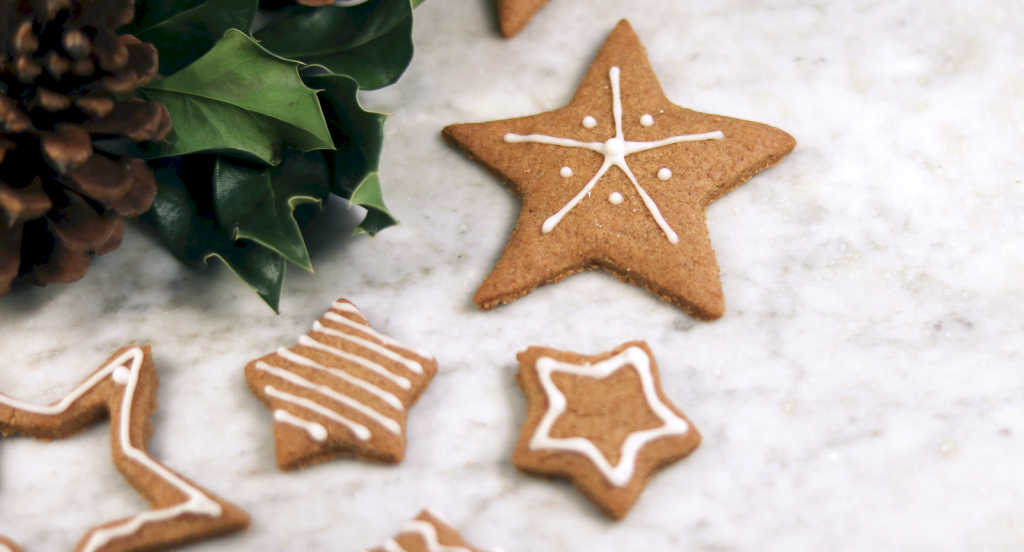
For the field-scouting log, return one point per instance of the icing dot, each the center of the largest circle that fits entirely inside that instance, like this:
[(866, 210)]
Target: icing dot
[(318, 432), (615, 198), (646, 120), (664, 174), (566, 172), (614, 147), (589, 122), (121, 375)]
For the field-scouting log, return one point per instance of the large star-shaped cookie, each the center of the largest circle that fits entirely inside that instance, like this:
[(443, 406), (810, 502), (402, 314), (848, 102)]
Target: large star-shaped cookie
[(618, 179), (513, 15), (124, 389), (601, 421)]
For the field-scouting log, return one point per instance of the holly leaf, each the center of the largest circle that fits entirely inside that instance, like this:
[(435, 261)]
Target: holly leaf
[(358, 138), (184, 30), (256, 203), (371, 42), (185, 219), (368, 196), (238, 98)]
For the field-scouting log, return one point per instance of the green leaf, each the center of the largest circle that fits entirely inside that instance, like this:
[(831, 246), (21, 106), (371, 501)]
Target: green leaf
[(256, 202), (238, 98), (358, 135), (368, 195), (183, 215), (371, 42), (358, 138), (184, 30)]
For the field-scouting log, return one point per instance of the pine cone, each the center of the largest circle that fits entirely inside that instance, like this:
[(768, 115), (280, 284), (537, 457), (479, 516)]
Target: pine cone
[(64, 74)]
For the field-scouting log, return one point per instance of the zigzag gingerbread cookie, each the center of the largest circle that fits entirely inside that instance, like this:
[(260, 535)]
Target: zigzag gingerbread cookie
[(125, 389), (344, 390)]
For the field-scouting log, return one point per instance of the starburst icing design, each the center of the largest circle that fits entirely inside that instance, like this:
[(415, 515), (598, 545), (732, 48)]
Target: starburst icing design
[(614, 150)]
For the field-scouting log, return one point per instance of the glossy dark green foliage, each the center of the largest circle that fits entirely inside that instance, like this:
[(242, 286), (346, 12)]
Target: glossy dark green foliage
[(370, 42), (253, 141), (184, 30), (185, 218), (239, 97), (358, 137), (256, 202)]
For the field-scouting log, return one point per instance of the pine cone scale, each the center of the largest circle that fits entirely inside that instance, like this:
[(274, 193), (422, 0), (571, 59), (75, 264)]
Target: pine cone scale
[(78, 226), (24, 204), (101, 179)]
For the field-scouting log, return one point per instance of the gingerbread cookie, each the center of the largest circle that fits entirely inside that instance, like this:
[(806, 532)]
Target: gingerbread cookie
[(8, 546), (618, 179), (344, 390), (427, 532), (600, 421), (513, 15), (124, 390)]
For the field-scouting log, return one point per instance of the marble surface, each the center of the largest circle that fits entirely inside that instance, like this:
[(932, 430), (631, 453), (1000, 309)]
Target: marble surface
[(863, 391)]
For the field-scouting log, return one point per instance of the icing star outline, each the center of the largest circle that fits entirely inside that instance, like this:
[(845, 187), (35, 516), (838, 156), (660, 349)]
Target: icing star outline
[(643, 449), (621, 473), (644, 223)]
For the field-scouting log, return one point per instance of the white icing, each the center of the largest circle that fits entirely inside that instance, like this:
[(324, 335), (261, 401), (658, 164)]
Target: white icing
[(589, 122), (428, 532), (388, 397), (316, 431), (646, 120), (121, 375), (377, 368), (345, 306), (360, 431), (341, 398), (334, 317), (566, 172), (412, 365), (391, 545), (197, 503), (5, 548), (664, 174), (615, 198), (620, 474), (440, 516), (614, 151)]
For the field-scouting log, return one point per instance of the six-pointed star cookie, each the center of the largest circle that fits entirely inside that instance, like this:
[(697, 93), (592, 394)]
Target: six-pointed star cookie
[(601, 421), (124, 389), (513, 15), (618, 179)]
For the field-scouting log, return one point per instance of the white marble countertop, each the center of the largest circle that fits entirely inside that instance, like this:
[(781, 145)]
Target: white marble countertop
[(862, 392)]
